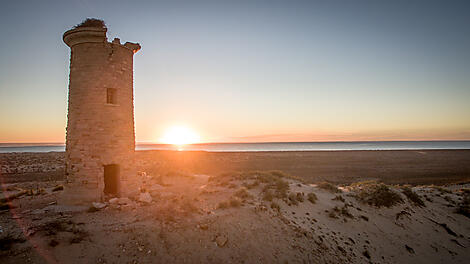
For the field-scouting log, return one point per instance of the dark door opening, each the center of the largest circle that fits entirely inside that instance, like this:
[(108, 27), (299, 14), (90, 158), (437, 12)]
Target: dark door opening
[(111, 179)]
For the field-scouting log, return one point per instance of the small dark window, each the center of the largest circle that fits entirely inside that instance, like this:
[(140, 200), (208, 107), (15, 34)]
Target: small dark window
[(111, 96)]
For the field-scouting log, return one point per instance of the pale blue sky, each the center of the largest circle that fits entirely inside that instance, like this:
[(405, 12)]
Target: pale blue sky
[(253, 70)]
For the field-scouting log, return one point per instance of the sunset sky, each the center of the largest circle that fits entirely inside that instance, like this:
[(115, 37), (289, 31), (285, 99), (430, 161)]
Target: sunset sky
[(247, 71)]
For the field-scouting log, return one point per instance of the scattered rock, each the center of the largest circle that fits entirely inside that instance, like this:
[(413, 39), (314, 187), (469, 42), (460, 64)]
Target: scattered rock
[(53, 243), (145, 197), (124, 201), (58, 188), (221, 240), (114, 201), (410, 249), (203, 226), (99, 206)]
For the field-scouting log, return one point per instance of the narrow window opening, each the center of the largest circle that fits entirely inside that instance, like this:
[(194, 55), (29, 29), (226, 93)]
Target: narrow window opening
[(111, 96), (111, 179)]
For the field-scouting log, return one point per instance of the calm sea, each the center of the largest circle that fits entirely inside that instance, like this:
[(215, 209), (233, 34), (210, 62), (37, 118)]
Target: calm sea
[(281, 146)]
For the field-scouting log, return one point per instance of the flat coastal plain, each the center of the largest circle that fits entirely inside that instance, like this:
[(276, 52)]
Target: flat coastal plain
[(340, 167)]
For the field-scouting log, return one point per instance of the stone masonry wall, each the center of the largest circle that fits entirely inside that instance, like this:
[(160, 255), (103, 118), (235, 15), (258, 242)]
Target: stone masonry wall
[(99, 133)]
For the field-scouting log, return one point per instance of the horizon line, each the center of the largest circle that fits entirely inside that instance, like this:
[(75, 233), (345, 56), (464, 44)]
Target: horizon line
[(247, 142)]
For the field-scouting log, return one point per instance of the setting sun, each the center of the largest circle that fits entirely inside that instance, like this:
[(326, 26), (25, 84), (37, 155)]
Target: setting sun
[(179, 135)]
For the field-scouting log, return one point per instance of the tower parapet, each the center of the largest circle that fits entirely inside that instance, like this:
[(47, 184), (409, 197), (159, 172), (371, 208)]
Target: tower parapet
[(100, 139)]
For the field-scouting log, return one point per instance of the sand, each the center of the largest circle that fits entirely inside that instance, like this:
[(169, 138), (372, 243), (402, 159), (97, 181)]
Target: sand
[(339, 167), (213, 219), (195, 217)]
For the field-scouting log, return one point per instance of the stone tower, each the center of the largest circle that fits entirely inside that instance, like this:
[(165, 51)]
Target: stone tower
[(100, 139)]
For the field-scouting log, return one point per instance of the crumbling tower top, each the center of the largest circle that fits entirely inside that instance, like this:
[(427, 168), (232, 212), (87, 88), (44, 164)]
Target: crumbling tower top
[(93, 31)]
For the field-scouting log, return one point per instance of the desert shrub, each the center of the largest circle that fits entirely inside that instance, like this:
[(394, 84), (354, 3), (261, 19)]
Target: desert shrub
[(312, 197), (282, 187), (275, 206), (282, 174), (8, 240), (234, 202), (250, 185), (279, 174), (91, 22), (449, 199), (345, 212), (300, 197), (266, 177), (329, 187), (413, 197), (279, 186), (378, 195), (440, 189), (293, 199), (361, 183), (464, 207), (223, 205), (268, 195), (338, 198), (243, 194), (332, 214), (188, 206)]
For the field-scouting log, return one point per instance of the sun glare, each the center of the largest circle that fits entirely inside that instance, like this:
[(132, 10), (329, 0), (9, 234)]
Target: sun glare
[(179, 135)]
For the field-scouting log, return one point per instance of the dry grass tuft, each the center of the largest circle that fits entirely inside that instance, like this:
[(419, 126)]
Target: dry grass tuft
[(223, 205), (378, 195), (293, 199), (329, 187), (91, 22), (413, 197), (275, 206), (268, 196), (440, 189), (243, 194), (312, 197), (338, 198), (464, 206), (235, 202)]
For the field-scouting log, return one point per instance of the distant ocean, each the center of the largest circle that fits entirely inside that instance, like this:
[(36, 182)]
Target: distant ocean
[(281, 146)]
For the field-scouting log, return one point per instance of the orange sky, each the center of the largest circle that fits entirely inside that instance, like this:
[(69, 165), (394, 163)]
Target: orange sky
[(248, 73)]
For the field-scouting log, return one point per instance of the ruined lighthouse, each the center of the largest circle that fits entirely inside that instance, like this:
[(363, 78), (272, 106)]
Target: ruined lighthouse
[(100, 140)]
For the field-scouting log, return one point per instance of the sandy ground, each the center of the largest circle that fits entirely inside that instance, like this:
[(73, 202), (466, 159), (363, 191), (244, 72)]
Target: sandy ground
[(256, 217), (339, 167)]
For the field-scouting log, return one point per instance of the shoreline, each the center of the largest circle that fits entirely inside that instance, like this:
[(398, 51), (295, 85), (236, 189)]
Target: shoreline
[(257, 151)]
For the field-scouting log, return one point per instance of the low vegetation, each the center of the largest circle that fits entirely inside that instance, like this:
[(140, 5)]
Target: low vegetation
[(273, 182), (243, 194), (464, 206), (338, 198), (91, 22), (379, 195), (275, 206), (328, 187), (293, 199), (233, 202), (413, 197), (342, 211), (268, 196), (312, 197)]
